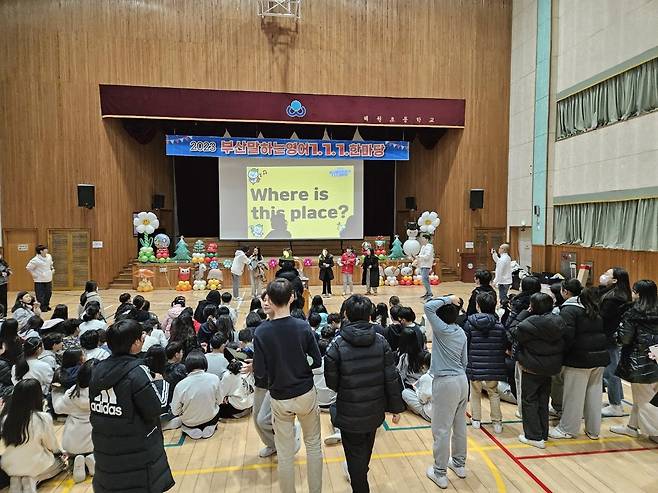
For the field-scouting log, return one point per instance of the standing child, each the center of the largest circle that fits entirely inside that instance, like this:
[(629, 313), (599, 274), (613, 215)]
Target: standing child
[(237, 268), (487, 343), (540, 351), (449, 389), (347, 263), (32, 452), (326, 265), (419, 398), (76, 439), (238, 392), (363, 396)]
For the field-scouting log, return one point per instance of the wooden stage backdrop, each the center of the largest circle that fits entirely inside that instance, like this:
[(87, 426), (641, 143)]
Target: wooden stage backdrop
[(56, 53)]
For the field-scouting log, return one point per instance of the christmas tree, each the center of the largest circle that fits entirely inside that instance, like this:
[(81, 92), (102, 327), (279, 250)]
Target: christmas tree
[(182, 251), (396, 249)]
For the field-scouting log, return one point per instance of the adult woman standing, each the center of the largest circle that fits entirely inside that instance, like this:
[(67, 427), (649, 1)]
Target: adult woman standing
[(257, 268), (370, 272), (639, 331), (326, 264), (615, 294), (41, 268), (5, 272)]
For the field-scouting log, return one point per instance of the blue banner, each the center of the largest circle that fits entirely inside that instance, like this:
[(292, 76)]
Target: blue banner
[(205, 146)]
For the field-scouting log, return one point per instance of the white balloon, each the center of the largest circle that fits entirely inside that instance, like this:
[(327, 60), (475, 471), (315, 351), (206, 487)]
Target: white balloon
[(411, 247)]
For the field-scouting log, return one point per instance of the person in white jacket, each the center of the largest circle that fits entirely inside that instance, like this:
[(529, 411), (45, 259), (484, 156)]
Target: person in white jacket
[(32, 453), (197, 398), (41, 269), (419, 399), (424, 261), (503, 278), (238, 392), (76, 439), (30, 366), (237, 268)]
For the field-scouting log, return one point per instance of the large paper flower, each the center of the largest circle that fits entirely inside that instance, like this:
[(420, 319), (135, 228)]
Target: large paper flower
[(146, 222), (308, 262), (428, 222)]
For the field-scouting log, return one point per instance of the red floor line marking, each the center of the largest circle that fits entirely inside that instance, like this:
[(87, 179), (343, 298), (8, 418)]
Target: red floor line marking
[(588, 452), (517, 461)]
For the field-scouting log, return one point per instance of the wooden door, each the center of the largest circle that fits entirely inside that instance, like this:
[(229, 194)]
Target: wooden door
[(19, 249), (70, 251), (485, 240)]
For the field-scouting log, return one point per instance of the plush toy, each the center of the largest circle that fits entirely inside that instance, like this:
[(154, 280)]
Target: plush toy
[(198, 252), (214, 280)]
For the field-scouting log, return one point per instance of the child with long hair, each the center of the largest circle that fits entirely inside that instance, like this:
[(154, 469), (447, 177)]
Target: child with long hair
[(92, 318), (317, 306), (24, 308), (238, 392), (30, 366), (411, 358), (76, 439), (156, 361), (67, 375), (32, 453), (419, 398)]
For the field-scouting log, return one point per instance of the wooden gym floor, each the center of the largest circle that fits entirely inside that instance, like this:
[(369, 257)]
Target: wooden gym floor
[(496, 463)]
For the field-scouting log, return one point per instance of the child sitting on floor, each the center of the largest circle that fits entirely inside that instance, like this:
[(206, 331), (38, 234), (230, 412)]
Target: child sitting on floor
[(89, 342), (419, 398), (217, 362), (76, 439), (246, 340), (52, 346), (30, 366), (238, 392)]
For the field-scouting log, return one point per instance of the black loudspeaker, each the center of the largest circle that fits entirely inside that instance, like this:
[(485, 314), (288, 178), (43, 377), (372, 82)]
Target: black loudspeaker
[(86, 195), (410, 203), (157, 202), (477, 199)]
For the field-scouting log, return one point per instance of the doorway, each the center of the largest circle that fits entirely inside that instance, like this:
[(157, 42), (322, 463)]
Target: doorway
[(485, 240), (19, 247), (70, 251)]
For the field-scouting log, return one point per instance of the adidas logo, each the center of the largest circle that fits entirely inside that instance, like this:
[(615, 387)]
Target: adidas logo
[(106, 403)]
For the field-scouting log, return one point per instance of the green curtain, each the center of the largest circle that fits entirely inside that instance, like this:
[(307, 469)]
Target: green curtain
[(626, 225), (629, 94)]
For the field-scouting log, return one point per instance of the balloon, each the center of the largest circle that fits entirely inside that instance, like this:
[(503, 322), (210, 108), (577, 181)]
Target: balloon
[(411, 247), (146, 222), (161, 240)]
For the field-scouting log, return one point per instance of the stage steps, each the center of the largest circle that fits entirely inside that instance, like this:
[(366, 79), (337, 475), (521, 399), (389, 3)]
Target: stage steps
[(124, 280), (448, 274)]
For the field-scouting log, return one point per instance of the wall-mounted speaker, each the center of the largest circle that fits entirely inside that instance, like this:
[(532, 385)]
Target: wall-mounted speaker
[(157, 202), (476, 200), (410, 203), (86, 195)]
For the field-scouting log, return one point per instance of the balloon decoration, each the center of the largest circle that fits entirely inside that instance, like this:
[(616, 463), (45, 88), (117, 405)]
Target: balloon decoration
[(228, 263), (162, 242), (273, 263), (428, 222), (145, 275), (308, 262), (184, 274), (198, 252), (380, 247), (213, 264), (146, 253), (215, 278), (211, 252), (146, 222), (396, 250), (411, 247), (182, 253), (391, 273), (434, 280)]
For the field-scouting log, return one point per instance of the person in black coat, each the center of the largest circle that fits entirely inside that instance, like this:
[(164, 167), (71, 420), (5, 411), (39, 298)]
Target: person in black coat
[(487, 343), (326, 265), (637, 333), (540, 352), (370, 276), (360, 367), (614, 299), (585, 358), (288, 272), (125, 419), (213, 298), (483, 279)]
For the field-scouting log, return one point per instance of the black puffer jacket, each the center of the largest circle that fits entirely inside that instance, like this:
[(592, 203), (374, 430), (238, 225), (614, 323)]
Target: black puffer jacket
[(125, 420), (585, 340), (292, 275), (517, 305), (472, 305), (637, 332), (612, 306), (487, 342), (540, 343), (360, 367), (6, 385)]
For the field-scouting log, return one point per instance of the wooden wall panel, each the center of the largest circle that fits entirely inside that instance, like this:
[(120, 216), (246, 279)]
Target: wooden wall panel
[(56, 53), (640, 265)]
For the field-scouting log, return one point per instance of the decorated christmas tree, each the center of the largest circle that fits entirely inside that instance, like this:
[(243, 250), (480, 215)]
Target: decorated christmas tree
[(396, 249), (182, 253)]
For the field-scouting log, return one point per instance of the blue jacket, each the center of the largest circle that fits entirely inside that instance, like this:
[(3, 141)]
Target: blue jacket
[(487, 342)]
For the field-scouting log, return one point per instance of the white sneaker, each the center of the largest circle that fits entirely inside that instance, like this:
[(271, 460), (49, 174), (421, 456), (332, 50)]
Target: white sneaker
[(79, 474), (517, 413), (591, 436), (346, 472), (172, 424), (554, 412), (558, 434), (535, 443), (613, 411), (15, 484), (459, 471), (266, 452), (193, 433), (476, 424), (208, 431), (498, 428), (625, 430), (90, 462), (333, 439), (440, 481)]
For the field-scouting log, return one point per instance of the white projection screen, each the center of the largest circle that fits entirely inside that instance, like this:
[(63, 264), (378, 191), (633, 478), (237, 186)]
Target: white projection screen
[(276, 199)]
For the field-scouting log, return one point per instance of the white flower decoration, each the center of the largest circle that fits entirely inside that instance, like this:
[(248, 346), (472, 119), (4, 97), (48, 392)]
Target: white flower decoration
[(146, 222), (428, 222)]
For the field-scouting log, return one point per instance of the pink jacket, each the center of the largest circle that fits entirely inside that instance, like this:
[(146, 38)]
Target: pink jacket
[(172, 314)]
